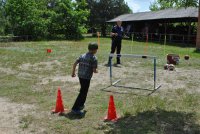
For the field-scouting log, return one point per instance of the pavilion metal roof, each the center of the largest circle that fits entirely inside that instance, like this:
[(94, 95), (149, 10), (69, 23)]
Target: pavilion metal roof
[(172, 13)]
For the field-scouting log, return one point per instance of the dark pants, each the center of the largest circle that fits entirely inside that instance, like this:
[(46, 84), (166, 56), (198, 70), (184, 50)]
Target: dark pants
[(116, 44), (80, 100)]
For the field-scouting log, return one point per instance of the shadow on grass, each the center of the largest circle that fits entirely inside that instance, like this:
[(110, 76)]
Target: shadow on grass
[(196, 51), (116, 92), (73, 116), (150, 91), (156, 122)]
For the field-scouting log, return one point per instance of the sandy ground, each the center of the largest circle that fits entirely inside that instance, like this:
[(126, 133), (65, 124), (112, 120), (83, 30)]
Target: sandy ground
[(139, 77), (16, 118), (133, 76), (11, 115)]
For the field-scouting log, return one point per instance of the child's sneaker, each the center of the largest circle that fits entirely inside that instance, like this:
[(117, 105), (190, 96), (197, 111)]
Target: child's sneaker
[(78, 112)]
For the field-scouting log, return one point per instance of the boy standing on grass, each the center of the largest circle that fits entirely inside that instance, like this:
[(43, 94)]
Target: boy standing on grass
[(87, 66)]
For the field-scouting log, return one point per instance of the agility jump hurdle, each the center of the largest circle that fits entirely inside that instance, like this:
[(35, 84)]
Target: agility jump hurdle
[(132, 56)]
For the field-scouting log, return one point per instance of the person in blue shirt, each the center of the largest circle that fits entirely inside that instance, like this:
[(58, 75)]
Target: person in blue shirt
[(116, 35), (87, 66)]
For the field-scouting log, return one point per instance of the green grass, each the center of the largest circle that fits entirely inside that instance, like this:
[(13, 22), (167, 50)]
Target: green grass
[(166, 111)]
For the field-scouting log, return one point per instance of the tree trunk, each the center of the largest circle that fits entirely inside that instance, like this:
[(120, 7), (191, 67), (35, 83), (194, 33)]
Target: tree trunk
[(198, 32), (103, 30)]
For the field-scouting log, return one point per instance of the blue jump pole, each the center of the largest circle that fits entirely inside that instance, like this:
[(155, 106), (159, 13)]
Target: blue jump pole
[(110, 62), (154, 73)]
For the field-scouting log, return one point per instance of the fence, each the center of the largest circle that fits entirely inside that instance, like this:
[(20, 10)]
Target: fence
[(170, 38), (138, 36), (15, 38)]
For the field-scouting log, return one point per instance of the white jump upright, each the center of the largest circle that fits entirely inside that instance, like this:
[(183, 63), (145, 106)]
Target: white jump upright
[(132, 56)]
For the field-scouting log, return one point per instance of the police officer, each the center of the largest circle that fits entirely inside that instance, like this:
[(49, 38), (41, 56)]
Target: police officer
[(116, 34)]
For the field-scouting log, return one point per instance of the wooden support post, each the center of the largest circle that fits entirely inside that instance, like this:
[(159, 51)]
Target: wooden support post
[(198, 32), (189, 32)]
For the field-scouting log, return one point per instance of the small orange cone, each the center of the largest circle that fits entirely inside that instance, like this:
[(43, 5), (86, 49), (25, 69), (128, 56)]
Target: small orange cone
[(59, 103), (112, 115)]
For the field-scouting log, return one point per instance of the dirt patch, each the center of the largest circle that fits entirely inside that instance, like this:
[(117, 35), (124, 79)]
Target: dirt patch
[(131, 75), (180, 79), (138, 77), (47, 80), (102, 77), (141, 77), (41, 65), (7, 71), (10, 116), (23, 74), (19, 118), (26, 66), (19, 74)]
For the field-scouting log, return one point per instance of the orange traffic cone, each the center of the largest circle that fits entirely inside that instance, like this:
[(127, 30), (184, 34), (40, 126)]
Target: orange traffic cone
[(112, 115), (59, 103)]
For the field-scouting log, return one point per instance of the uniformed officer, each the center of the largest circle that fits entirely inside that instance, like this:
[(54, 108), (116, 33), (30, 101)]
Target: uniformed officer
[(116, 34)]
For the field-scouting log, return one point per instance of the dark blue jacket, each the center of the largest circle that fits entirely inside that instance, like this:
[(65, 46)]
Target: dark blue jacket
[(119, 31)]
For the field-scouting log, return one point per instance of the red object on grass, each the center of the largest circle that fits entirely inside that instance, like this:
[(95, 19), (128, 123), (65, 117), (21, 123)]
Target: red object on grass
[(112, 115), (49, 50)]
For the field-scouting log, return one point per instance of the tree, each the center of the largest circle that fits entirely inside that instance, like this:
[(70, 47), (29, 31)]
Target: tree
[(47, 18), (104, 10), (188, 3), (3, 20), (25, 18), (68, 18), (164, 4)]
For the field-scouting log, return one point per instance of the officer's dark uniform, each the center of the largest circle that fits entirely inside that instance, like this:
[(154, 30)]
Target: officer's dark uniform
[(117, 41)]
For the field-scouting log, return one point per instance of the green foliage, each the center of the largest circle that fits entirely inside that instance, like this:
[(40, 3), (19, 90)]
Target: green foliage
[(164, 4), (24, 17), (68, 18), (104, 10), (41, 19), (2, 17), (188, 3)]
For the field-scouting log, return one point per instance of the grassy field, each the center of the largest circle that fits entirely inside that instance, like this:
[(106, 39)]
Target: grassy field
[(30, 76)]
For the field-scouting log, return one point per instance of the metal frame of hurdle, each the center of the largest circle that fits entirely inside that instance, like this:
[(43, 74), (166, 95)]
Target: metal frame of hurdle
[(132, 56)]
